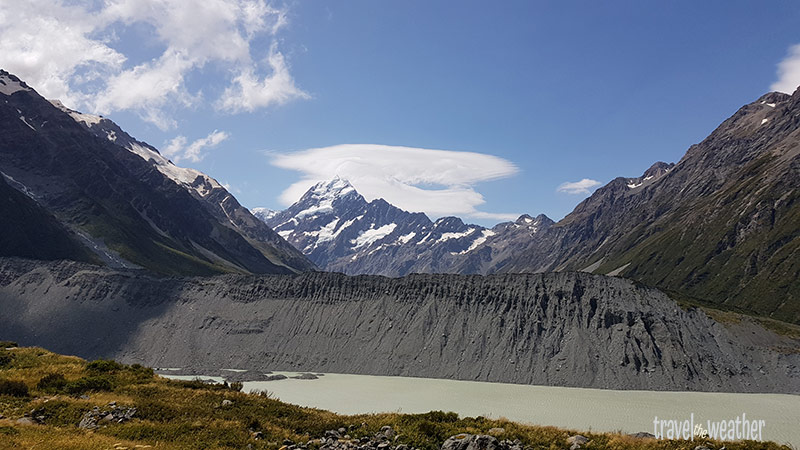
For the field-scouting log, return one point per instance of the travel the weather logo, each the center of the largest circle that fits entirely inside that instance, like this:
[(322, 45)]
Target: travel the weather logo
[(735, 429)]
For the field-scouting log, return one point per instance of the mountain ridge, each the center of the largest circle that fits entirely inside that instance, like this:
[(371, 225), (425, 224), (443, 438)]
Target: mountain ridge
[(124, 205), (340, 231)]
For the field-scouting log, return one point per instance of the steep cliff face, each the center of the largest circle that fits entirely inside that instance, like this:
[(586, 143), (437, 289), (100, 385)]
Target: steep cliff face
[(570, 329)]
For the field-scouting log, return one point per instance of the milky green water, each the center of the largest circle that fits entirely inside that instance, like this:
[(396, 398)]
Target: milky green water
[(573, 408)]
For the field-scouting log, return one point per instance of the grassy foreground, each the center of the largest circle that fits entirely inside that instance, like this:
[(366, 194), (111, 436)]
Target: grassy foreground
[(56, 391)]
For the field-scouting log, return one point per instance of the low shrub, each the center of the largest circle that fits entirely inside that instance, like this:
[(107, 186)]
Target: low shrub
[(141, 372), (199, 383), (52, 382), (13, 388), (8, 431), (89, 383), (104, 366), (5, 358), (7, 344)]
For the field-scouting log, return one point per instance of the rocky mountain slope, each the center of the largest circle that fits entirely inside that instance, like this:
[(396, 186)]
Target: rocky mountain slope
[(340, 231), (721, 226), (128, 203), (568, 328)]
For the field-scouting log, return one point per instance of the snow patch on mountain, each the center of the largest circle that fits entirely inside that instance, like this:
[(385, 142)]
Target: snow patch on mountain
[(372, 235), (455, 235), (22, 118), (327, 232), (183, 176), (406, 238), (263, 214), (88, 119), (485, 234), (10, 84)]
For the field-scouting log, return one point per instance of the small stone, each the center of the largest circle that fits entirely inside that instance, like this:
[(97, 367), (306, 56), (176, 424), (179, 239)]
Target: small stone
[(227, 402), (347, 437), (701, 447), (25, 421), (383, 445), (332, 434), (288, 442), (577, 439), (342, 430), (466, 441), (642, 435), (387, 431)]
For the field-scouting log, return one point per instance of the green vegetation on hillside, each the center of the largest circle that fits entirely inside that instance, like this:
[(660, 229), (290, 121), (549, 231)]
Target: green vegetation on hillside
[(57, 391), (748, 262)]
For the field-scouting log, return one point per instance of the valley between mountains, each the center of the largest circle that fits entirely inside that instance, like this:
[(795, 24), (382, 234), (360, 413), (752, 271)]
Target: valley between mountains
[(111, 250)]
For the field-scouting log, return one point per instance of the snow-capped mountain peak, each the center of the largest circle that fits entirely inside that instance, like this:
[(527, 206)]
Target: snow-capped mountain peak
[(339, 230), (329, 190), (264, 214)]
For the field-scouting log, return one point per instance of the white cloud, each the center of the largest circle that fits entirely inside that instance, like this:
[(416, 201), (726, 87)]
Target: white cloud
[(177, 150), (584, 186), (788, 72), (249, 93), (438, 182), (71, 51)]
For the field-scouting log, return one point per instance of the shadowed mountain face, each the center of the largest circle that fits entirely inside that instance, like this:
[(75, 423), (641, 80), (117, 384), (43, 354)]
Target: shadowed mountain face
[(568, 328), (29, 231), (127, 202)]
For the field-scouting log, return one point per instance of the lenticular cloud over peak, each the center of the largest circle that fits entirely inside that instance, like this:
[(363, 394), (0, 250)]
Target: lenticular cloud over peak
[(437, 182)]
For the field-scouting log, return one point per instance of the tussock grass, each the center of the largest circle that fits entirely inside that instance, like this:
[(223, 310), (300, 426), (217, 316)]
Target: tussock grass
[(190, 415)]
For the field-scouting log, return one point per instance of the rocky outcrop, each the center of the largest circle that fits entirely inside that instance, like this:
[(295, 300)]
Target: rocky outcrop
[(567, 329), (111, 413), (479, 442)]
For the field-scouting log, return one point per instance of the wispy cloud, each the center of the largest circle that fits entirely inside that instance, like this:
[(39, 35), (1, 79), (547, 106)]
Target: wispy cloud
[(71, 51), (583, 186), (788, 72), (437, 182), (177, 150)]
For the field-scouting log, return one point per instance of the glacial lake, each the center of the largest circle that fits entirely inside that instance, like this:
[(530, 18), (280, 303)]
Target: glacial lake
[(571, 408)]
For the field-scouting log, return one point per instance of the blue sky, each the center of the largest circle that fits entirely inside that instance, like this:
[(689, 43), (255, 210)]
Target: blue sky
[(537, 93)]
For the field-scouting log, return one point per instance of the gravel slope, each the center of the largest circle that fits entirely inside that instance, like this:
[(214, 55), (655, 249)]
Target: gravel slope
[(567, 329)]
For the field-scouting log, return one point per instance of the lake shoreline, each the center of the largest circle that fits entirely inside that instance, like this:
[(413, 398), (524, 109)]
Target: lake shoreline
[(603, 410)]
